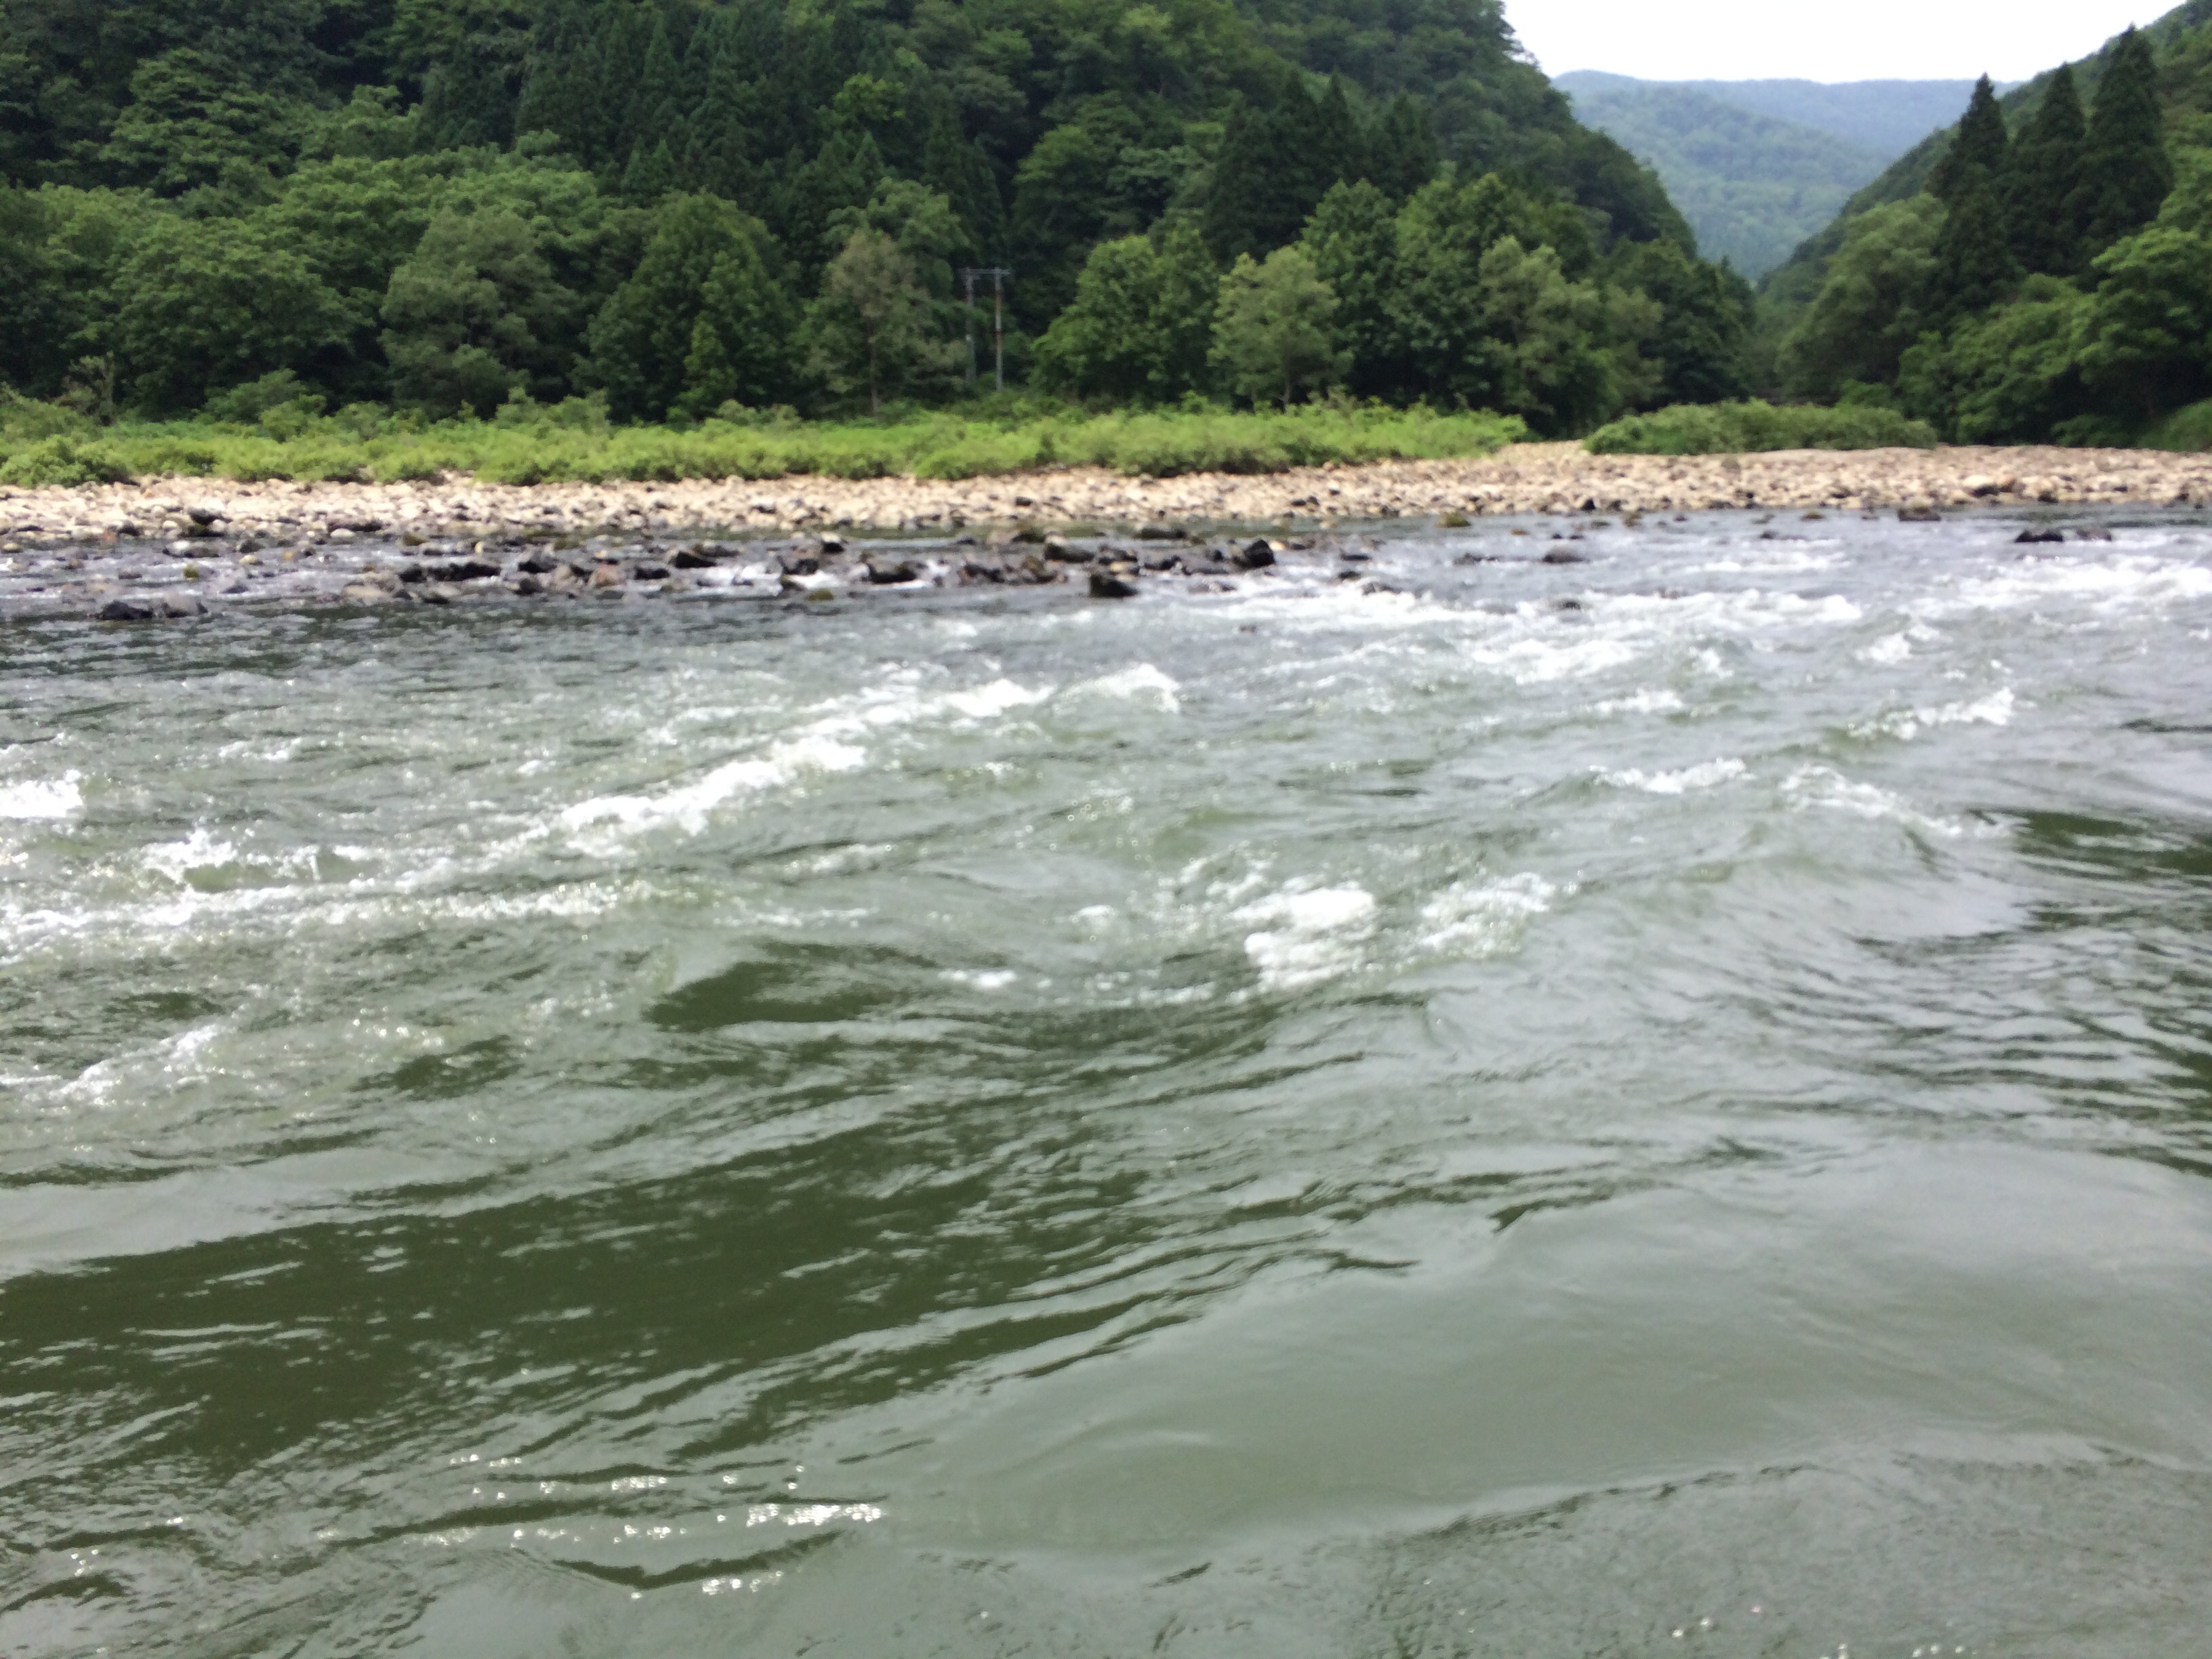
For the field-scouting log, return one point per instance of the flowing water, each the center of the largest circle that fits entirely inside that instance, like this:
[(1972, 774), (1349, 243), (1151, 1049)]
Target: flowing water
[(1661, 1105)]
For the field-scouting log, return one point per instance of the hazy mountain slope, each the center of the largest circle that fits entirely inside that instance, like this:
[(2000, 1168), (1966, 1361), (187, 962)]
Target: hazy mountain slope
[(1887, 117), (1752, 186)]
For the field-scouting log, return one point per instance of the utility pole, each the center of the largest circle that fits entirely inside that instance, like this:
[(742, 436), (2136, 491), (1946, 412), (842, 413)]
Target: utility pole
[(969, 277), (999, 276)]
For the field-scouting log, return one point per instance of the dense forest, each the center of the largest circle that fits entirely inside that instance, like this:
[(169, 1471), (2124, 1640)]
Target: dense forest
[(2043, 269), (261, 209)]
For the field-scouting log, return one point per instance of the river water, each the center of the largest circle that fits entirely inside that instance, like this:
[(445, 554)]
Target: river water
[(1657, 1105)]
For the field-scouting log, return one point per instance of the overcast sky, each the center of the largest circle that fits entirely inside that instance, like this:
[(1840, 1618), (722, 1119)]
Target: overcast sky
[(1856, 40)]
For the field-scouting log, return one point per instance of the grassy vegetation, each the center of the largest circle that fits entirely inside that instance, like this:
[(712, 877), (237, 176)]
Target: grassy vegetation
[(2188, 430), (42, 444), (1742, 428)]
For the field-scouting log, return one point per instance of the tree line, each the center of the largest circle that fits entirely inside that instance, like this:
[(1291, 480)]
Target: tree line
[(2053, 281), (246, 205)]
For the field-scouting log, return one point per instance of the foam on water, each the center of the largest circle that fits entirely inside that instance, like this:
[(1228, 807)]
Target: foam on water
[(1824, 786), (1706, 775), (1305, 934), (1994, 709), (42, 800), (1485, 920)]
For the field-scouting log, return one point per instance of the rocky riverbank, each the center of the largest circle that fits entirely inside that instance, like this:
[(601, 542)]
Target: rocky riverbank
[(174, 548)]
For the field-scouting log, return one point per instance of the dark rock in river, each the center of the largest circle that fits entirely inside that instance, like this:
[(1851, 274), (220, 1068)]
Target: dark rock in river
[(126, 611), (889, 575), (1918, 515), (2039, 537), (1106, 587), (464, 570), (539, 564), (1254, 556), (690, 558), (1561, 556)]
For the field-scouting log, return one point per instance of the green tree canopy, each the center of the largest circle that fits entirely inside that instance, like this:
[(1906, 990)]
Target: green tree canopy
[(870, 328), (1273, 331), (201, 307), (1706, 312), (1868, 310), (1443, 232), (1352, 239), (2044, 221), (474, 315), (645, 344), (1978, 151), (1141, 327), (2125, 170), (2144, 342), (1974, 264)]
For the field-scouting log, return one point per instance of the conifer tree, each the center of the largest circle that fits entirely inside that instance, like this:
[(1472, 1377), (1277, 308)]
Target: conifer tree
[(1978, 152), (1269, 176), (2042, 178), (956, 169), (651, 174), (1403, 150), (2125, 170), (1334, 145), (1974, 265)]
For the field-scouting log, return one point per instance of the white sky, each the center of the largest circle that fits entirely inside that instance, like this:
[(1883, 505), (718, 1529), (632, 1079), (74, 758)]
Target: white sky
[(1858, 40)]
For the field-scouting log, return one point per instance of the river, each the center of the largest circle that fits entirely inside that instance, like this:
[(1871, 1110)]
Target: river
[(1662, 1104)]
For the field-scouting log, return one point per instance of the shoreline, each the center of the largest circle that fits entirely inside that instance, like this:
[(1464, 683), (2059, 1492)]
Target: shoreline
[(1522, 480), (177, 549)]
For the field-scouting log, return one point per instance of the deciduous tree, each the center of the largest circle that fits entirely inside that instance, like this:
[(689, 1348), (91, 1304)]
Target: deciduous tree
[(1274, 330)]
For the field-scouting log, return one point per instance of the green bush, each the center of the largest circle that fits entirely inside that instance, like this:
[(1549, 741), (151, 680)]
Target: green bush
[(1750, 427), (67, 462), (23, 421), (2188, 430), (570, 442)]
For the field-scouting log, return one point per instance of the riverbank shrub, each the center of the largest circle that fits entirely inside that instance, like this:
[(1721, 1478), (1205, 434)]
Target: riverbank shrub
[(2188, 430), (1754, 427), (573, 443), (66, 462)]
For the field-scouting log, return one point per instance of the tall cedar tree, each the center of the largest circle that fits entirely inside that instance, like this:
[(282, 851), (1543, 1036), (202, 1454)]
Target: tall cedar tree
[(2043, 216), (1974, 265), (1978, 152), (1275, 166), (2125, 171)]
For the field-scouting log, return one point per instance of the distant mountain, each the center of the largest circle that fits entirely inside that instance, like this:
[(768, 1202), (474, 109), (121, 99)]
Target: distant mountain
[(1889, 117), (1758, 167)]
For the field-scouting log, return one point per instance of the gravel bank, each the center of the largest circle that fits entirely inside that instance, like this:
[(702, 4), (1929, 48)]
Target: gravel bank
[(1527, 479), (175, 547)]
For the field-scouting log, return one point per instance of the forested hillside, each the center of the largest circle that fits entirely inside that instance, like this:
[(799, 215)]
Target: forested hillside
[(267, 208), (1793, 283), (2050, 272), (1887, 117), (1752, 186)]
